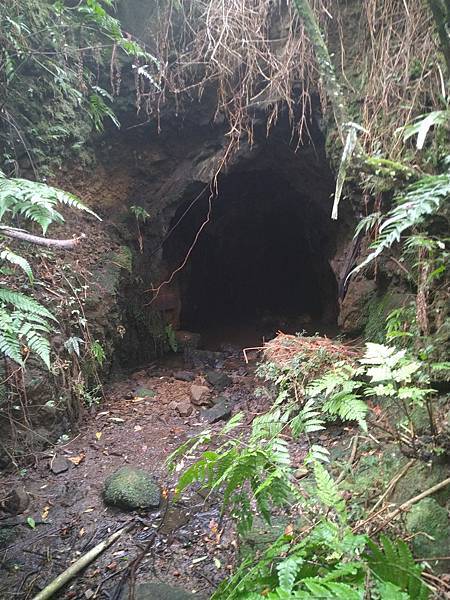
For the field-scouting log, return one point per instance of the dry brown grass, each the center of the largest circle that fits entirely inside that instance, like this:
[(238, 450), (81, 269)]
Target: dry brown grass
[(284, 347), (253, 56)]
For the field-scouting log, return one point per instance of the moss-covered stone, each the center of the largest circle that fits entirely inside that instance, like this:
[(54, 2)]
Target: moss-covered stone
[(131, 488), (156, 590), (429, 524)]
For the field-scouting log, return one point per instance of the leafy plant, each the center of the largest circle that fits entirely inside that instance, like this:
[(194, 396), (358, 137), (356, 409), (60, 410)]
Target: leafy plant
[(411, 208), (24, 327)]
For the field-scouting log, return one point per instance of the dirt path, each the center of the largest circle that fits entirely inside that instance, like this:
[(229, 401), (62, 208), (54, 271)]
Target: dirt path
[(71, 518)]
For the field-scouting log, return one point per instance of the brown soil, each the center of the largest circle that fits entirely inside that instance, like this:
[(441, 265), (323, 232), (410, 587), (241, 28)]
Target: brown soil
[(70, 514)]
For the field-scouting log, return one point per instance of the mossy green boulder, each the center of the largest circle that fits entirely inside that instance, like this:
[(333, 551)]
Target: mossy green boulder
[(430, 526), (131, 488)]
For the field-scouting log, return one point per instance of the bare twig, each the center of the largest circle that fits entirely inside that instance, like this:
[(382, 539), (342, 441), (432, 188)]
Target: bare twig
[(80, 564), (403, 507), (41, 241)]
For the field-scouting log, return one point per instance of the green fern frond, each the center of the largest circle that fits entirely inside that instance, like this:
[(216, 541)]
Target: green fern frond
[(36, 201), (394, 563), (327, 490), (25, 303), (420, 200), (15, 259)]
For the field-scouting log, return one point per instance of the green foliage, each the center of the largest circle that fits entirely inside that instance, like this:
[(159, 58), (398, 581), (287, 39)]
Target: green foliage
[(25, 323), (411, 208), (51, 58), (393, 563), (171, 338), (98, 352), (35, 202), (24, 327), (140, 213), (422, 124), (99, 110)]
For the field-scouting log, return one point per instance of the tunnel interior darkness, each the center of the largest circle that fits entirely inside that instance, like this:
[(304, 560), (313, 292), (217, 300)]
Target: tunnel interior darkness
[(263, 259)]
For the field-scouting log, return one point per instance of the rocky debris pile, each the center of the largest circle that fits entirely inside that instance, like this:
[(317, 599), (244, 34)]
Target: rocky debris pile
[(131, 488)]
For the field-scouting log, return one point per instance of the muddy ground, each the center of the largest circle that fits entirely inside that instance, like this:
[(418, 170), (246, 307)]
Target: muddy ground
[(185, 544)]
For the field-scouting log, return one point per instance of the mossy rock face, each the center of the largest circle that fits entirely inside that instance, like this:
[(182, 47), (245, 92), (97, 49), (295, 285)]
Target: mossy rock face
[(155, 590), (427, 519), (420, 477), (131, 489)]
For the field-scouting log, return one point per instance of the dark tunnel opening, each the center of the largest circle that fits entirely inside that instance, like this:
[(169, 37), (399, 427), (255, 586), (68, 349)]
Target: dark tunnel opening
[(262, 262)]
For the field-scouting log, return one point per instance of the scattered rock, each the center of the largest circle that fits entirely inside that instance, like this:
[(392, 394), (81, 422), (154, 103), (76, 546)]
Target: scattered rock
[(301, 472), (59, 464), (218, 412), (184, 375), (145, 393), (17, 501), (131, 488), (182, 407), (218, 379), (200, 394), (155, 590), (219, 399), (429, 525)]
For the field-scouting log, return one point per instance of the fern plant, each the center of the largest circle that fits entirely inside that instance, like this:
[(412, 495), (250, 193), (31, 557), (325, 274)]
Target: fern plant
[(25, 323), (411, 208), (24, 327), (35, 202)]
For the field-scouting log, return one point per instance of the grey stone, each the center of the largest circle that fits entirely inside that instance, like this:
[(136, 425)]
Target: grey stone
[(218, 379), (184, 375), (17, 501), (59, 465), (131, 488), (218, 412), (156, 590)]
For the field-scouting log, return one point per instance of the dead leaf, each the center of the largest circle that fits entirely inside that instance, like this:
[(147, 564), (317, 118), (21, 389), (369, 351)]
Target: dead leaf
[(76, 460)]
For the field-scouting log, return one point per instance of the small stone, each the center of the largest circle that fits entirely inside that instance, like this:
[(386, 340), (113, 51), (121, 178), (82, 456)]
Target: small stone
[(218, 379), (184, 408), (219, 412), (156, 590), (17, 501), (131, 488), (184, 375), (200, 394), (220, 399), (59, 465), (301, 472), (145, 393)]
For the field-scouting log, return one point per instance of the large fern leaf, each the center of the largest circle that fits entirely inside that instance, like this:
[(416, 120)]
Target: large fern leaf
[(420, 200), (36, 201)]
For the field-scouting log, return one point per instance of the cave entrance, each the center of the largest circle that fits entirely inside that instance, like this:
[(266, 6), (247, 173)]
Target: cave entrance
[(261, 264)]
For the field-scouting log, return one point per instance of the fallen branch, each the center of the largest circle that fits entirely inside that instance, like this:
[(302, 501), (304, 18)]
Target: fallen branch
[(79, 565), (41, 241), (403, 507)]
